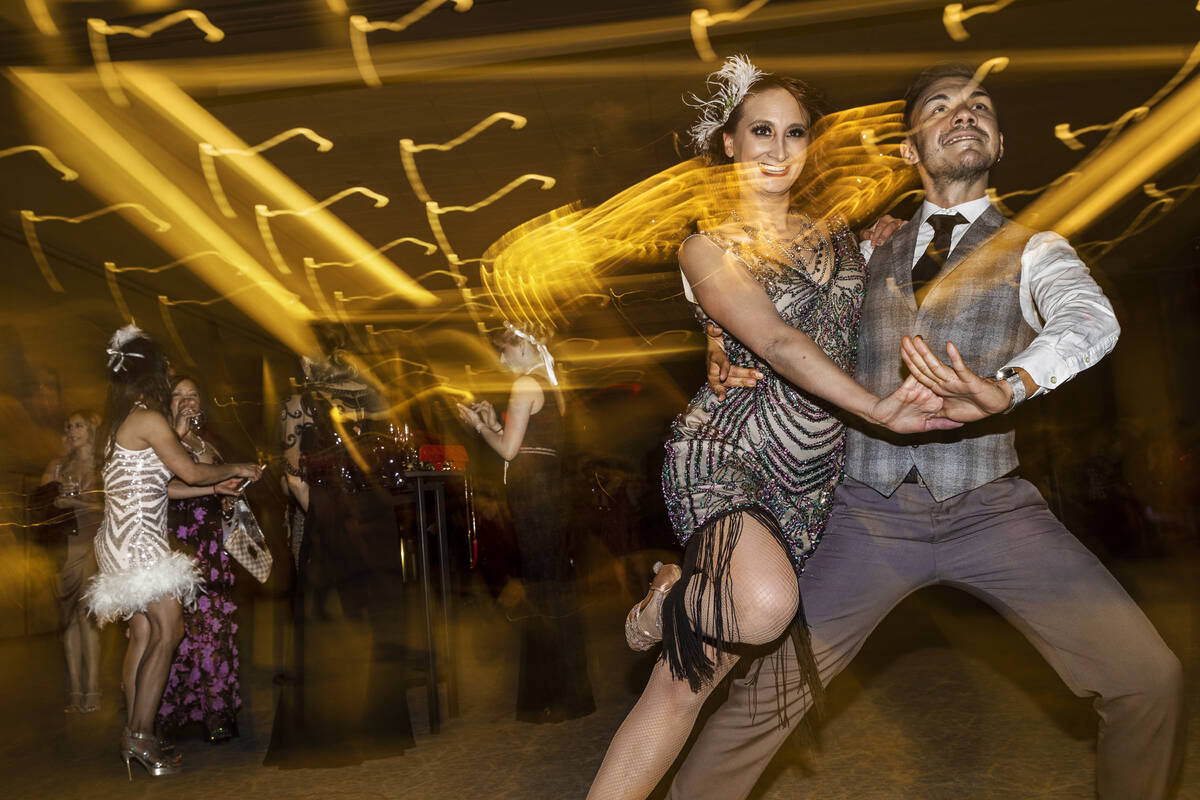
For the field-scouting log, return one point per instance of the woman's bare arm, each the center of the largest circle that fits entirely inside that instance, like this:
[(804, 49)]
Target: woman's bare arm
[(143, 429), (729, 295), (525, 396)]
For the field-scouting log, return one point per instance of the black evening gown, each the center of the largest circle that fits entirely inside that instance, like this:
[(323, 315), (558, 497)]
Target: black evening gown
[(344, 700), (553, 685)]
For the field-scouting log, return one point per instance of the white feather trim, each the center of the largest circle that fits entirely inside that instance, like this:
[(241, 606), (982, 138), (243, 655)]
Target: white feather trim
[(730, 84), (120, 595), (116, 346), (125, 335)]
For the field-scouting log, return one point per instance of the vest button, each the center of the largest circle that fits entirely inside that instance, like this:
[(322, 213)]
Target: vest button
[(1053, 379)]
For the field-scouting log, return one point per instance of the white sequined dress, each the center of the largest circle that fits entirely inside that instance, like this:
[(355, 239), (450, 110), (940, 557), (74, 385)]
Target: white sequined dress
[(137, 566)]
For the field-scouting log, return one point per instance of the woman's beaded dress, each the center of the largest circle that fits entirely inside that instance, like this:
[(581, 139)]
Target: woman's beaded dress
[(772, 447), (137, 566), (772, 453)]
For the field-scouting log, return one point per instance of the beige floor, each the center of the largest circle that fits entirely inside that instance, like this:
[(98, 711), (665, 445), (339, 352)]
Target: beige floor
[(945, 702)]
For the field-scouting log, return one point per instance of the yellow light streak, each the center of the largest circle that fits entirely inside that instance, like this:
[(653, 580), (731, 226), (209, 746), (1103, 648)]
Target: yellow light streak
[(180, 347), (953, 17), (1067, 136), (210, 152), (1063, 132), (41, 17), (161, 224), (126, 162), (1163, 202), (110, 277), (380, 202), (429, 247), (47, 155), (998, 199), (28, 218), (546, 181), (111, 270), (310, 275), (462, 311), (262, 215), (338, 7), (268, 182), (539, 269), (702, 19), (99, 31), (1169, 131), (112, 267), (360, 26), (408, 149)]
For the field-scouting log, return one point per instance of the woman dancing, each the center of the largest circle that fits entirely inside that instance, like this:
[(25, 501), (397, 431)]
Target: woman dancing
[(553, 685), (74, 475), (140, 578), (749, 481)]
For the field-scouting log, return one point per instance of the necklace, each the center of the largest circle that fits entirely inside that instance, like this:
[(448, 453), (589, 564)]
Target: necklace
[(197, 453), (792, 249)]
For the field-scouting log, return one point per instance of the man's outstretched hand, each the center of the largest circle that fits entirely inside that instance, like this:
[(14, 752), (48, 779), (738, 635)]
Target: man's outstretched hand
[(967, 397), (721, 374), (912, 408)]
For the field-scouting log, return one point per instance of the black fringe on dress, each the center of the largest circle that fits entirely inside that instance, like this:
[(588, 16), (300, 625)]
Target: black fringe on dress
[(707, 559)]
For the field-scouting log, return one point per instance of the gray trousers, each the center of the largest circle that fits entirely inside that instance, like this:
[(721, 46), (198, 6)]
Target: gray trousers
[(1000, 543)]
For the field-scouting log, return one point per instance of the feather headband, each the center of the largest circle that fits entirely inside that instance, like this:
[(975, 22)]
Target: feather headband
[(729, 86), (116, 346)]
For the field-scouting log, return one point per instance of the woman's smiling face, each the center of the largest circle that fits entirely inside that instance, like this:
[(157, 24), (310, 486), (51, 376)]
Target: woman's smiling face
[(770, 140)]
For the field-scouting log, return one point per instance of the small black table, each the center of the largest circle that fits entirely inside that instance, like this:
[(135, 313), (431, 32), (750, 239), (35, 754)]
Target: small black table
[(418, 487)]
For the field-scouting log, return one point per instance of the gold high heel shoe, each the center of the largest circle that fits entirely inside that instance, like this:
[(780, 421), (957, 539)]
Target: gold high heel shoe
[(642, 637), (143, 748)]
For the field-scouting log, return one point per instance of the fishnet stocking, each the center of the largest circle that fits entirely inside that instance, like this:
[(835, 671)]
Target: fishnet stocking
[(763, 598)]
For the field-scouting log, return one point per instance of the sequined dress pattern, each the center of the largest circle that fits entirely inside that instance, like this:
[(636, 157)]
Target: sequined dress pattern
[(772, 447), (137, 566)]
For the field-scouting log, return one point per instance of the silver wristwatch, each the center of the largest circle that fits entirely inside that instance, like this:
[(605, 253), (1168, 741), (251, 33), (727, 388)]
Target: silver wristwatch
[(1018, 386)]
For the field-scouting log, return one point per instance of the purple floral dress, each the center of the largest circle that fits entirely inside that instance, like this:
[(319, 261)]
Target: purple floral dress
[(203, 681)]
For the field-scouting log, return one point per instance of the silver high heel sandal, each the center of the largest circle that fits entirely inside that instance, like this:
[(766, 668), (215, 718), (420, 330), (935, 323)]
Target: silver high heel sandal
[(639, 635), (143, 748)]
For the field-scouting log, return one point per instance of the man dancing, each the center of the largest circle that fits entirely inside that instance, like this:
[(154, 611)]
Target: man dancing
[(947, 509)]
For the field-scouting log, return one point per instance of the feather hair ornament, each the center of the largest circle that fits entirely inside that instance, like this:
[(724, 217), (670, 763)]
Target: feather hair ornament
[(116, 346), (729, 86)]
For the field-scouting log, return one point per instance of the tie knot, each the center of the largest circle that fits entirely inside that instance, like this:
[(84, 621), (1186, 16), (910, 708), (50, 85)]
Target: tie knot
[(946, 223)]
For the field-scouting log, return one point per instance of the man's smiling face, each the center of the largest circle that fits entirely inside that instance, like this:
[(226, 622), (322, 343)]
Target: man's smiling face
[(956, 135)]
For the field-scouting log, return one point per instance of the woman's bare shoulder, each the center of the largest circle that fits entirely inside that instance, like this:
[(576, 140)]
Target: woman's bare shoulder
[(700, 251)]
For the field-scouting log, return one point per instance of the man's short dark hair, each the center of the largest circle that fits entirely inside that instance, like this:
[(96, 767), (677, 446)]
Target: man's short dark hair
[(927, 78)]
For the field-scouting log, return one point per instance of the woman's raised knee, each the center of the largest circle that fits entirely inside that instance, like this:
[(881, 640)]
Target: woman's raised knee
[(765, 610)]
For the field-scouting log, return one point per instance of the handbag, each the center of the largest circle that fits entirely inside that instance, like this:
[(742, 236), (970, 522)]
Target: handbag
[(243, 540)]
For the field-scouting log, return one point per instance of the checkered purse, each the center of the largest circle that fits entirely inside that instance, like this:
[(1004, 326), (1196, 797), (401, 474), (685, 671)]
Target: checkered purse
[(244, 540)]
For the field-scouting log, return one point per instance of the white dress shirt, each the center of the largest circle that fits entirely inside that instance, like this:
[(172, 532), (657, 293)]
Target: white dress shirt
[(1059, 299)]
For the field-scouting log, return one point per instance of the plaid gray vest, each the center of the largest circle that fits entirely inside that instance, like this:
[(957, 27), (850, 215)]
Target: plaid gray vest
[(974, 302)]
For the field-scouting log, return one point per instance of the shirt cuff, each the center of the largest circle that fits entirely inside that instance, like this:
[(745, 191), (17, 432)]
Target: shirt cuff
[(1050, 370)]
